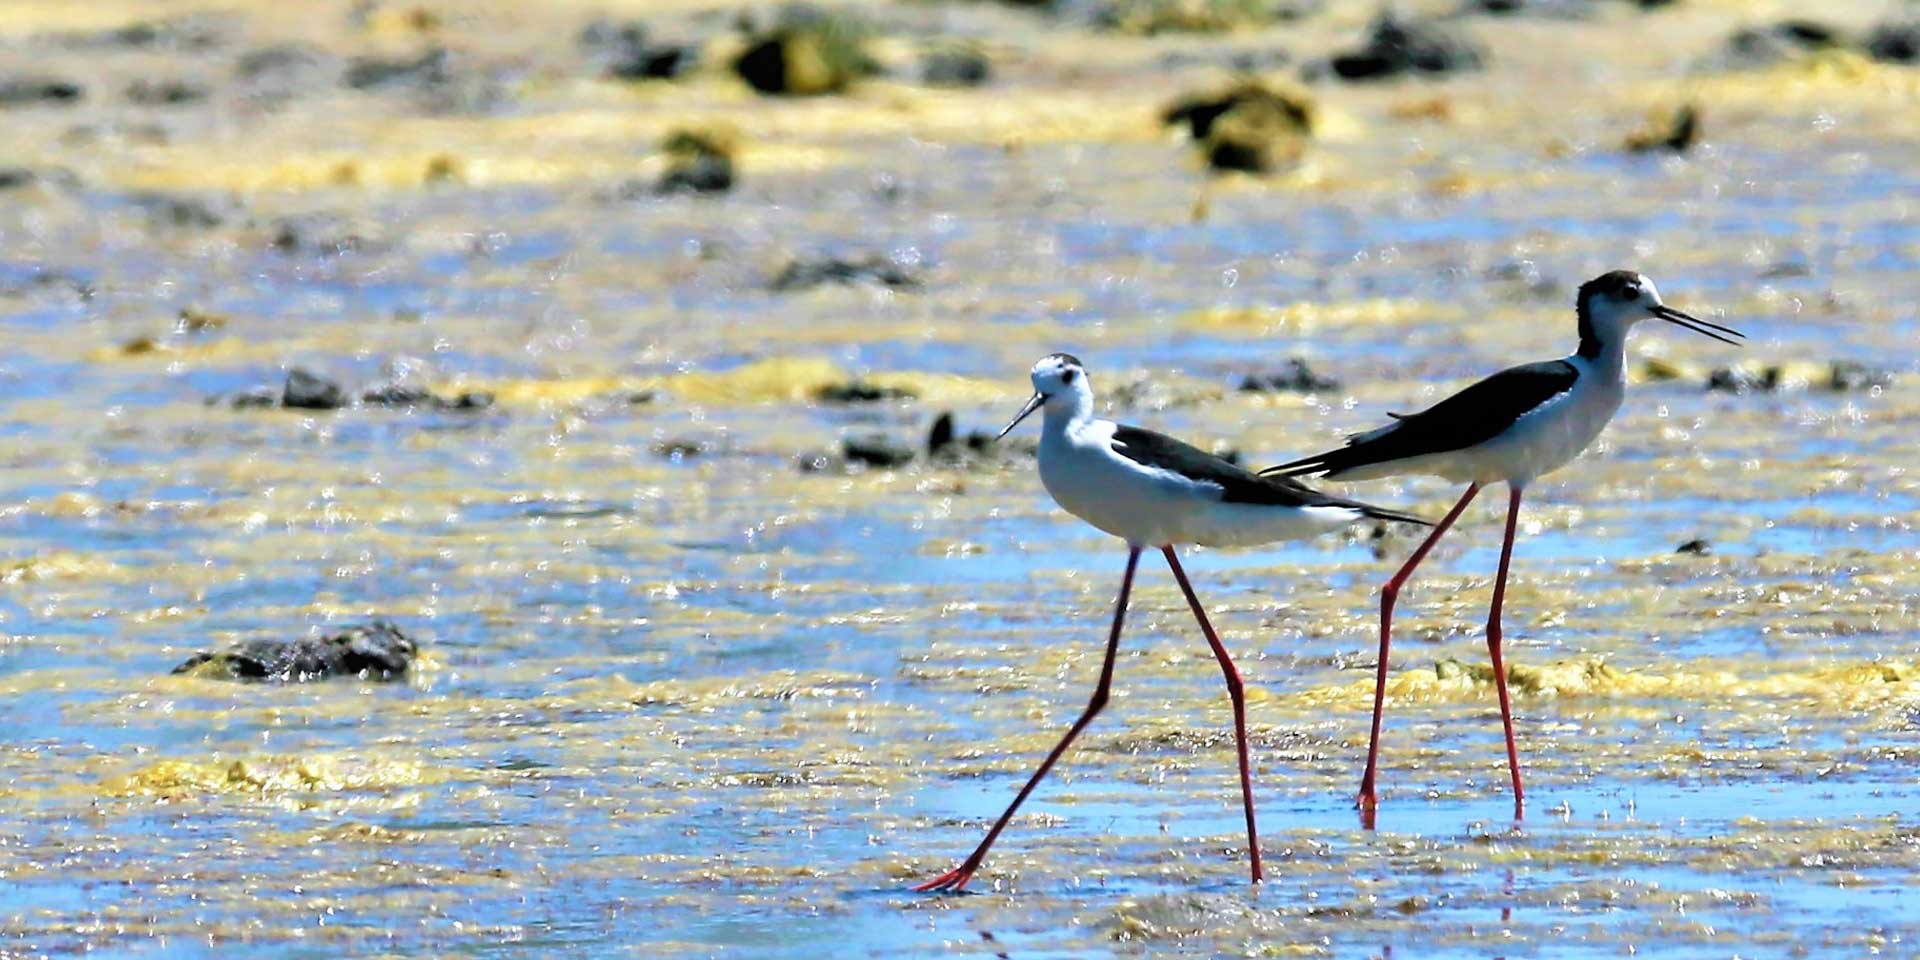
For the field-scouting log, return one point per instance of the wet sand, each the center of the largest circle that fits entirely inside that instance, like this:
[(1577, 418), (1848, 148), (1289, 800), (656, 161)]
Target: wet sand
[(680, 697)]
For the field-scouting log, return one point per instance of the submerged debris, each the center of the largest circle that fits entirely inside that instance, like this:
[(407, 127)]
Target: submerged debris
[(1675, 132), (1149, 17), (955, 66), (811, 52), (1398, 44), (626, 52), (1895, 41), (26, 91), (1776, 43), (872, 268), (1839, 376), (860, 391), (699, 160), (373, 651), (1296, 378), (1251, 126), (305, 390), (876, 450)]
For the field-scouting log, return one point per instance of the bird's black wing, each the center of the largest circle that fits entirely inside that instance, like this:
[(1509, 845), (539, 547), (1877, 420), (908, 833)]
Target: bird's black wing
[(1473, 416), (1237, 484)]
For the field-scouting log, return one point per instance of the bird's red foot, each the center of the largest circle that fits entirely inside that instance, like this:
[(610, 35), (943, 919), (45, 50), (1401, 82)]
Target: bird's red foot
[(953, 881)]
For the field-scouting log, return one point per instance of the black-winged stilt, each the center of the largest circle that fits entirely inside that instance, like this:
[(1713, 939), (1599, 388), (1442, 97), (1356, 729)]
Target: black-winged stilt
[(1511, 427), (1154, 491)]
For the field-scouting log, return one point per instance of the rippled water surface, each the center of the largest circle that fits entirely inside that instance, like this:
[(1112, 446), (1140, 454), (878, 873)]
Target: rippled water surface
[(707, 703)]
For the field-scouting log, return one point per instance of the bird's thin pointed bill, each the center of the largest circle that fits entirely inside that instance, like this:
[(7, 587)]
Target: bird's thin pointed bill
[(1703, 327), (1033, 403)]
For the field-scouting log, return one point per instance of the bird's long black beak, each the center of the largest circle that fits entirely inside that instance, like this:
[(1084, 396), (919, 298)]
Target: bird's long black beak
[(1697, 325), (1033, 403)]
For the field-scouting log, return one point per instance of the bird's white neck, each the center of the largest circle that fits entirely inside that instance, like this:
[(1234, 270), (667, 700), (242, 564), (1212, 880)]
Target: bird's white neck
[(1066, 410)]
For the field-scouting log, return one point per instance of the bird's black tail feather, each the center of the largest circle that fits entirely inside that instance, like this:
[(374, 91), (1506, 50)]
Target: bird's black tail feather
[(1382, 513)]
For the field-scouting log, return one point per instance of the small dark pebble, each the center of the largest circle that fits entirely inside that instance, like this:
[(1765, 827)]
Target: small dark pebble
[(168, 212), (697, 173), (940, 435), (164, 93), (1777, 42), (28, 91), (1296, 378), (955, 67), (430, 68), (811, 52), (306, 390), (1895, 42), (186, 33), (1397, 45), (1696, 547), (873, 268), (860, 391), (681, 448), (655, 63), (373, 651), (1842, 376), (876, 450), (1676, 133), (1846, 375)]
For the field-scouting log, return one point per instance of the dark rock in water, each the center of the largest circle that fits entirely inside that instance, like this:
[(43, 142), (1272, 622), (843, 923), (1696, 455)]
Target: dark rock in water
[(168, 212), (699, 161), (26, 91), (1252, 126), (1848, 375), (1153, 17), (190, 33), (873, 268), (373, 651), (13, 178), (701, 173), (1896, 41), (404, 395), (261, 395), (977, 448), (320, 234), (876, 450), (306, 390), (1842, 376), (681, 448), (656, 63), (860, 391), (164, 93), (1696, 547), (1399, 45), (811, 52), (1736, 380), (1296, 378), (1675, 132), (434, 66), (1778, 42), (627, 53), (940, 435), (955, 67)]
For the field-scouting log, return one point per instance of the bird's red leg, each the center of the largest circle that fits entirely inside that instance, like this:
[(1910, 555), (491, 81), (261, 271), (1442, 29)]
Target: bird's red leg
[(1236, 692), (956, 879), (1493, 645), (1387, 596)]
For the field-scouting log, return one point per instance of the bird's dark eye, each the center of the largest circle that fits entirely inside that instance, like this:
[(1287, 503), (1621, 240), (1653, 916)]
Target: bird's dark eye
[(1068, 376), (1630, 292)]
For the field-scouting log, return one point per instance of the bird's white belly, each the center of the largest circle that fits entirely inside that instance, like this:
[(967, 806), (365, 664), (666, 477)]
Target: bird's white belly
[(1545, 439), (1153, 508)]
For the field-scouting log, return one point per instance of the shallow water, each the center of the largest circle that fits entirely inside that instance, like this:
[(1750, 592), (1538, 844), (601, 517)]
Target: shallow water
[(716, 706)]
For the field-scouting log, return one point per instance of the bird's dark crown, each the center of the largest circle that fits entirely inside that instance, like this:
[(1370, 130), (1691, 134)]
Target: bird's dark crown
[(1065, 359), (1613, 283)]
